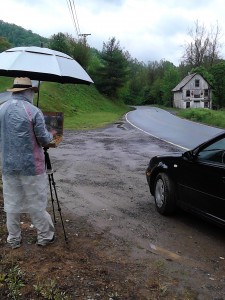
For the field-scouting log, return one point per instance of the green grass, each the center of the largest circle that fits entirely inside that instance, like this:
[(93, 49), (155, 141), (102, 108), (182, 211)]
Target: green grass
[(5, 83), (207, 116), (83, 106)]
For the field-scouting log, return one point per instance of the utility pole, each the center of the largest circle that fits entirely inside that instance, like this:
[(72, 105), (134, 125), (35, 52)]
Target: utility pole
[(84, 35)]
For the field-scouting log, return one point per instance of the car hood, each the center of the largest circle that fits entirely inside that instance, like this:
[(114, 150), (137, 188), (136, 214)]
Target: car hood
[(165, 159)]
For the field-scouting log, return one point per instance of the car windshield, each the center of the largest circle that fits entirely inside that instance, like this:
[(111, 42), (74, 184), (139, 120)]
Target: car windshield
[(214, 152)]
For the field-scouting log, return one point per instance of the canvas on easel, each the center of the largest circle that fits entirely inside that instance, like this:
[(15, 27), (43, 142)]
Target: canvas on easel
[(54, 121)]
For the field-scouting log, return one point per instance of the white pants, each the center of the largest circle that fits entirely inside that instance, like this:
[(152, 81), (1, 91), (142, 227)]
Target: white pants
[(41, 220), (24, 194)]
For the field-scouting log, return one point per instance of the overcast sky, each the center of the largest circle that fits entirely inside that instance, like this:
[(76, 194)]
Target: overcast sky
[(148, 29)]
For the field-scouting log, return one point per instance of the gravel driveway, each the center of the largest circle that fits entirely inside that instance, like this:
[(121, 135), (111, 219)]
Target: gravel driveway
[(100, 176)]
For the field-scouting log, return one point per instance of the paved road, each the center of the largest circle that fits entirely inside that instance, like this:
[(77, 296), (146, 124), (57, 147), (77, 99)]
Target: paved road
[(4, 97), (164, 125)]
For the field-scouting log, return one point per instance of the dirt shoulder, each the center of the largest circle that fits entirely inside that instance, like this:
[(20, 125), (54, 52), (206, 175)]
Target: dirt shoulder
[(118, 246)]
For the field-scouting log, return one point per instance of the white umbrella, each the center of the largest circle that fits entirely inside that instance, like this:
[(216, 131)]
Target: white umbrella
[(42, 64)]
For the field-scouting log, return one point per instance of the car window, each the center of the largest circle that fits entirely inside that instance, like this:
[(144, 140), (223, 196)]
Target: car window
[(214, 152)]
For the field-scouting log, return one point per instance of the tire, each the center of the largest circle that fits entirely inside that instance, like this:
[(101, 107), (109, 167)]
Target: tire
[(164, 193)]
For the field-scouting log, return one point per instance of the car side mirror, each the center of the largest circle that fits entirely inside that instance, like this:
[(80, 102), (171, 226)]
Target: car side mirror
[(188, 155)]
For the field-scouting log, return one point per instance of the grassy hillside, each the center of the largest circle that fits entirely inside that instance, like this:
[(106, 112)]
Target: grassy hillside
[(83, 106)]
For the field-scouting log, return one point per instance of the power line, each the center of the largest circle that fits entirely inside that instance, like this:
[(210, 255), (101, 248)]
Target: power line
[(72, 10), (76, 17), (72, 15)]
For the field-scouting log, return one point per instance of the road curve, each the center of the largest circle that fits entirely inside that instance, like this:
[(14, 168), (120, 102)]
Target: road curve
[(166, 126)]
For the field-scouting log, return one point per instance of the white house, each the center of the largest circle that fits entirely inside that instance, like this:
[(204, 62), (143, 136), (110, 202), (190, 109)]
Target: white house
[(192, 92)]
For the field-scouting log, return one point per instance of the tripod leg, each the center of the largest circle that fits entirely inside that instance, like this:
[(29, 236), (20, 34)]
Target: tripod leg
[(52, 199), (59, 208), (52, 183)]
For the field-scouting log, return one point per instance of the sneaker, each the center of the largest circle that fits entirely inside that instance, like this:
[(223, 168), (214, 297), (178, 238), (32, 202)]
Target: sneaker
[(14, 244), (43, 244)]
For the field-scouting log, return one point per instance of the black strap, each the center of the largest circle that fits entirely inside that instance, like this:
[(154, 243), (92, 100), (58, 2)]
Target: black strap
[(22, 86)]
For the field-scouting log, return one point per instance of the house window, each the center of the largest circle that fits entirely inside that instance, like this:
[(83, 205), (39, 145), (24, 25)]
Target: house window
[(188, 93), (206, 92), (187, 104), (197, 82), (197, 96)]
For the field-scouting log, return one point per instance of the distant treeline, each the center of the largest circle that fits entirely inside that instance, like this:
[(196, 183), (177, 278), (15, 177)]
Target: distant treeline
[(122, 78), (18, 36)]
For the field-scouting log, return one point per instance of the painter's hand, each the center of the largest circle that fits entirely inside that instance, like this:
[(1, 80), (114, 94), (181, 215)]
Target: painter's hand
[(53, 132)]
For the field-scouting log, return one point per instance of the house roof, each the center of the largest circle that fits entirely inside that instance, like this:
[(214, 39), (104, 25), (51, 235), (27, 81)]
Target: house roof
[(183, 82)]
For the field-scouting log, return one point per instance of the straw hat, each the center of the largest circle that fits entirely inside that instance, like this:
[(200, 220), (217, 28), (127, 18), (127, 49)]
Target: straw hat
[(22, 84)]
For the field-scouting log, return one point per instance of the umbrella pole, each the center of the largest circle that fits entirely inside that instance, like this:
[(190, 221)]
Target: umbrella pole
[(38, 95)]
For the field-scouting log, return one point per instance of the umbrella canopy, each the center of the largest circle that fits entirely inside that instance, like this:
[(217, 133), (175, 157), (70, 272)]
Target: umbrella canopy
[(42, 64)]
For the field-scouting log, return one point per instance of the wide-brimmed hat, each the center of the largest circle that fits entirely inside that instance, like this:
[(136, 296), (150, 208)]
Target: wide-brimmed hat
[(22, 84)]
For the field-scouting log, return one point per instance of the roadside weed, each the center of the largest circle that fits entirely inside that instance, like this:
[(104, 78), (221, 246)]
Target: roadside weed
[(14, 280), (50, 291)]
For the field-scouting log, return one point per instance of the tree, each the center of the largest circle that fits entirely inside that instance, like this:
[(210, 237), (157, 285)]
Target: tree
[(157, 91), (154, 71), (112, 74), (60, 42), (203, 48), (137, 82), (170, 79), (218, 72), (205, 73), (163, 76), (80, 51), (77, 49), (4, 44)]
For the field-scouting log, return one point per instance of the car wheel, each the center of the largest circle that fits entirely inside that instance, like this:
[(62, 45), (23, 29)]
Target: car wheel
[(164, 194)]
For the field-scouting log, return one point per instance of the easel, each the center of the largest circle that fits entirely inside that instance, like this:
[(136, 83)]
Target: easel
[(52, 187)]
